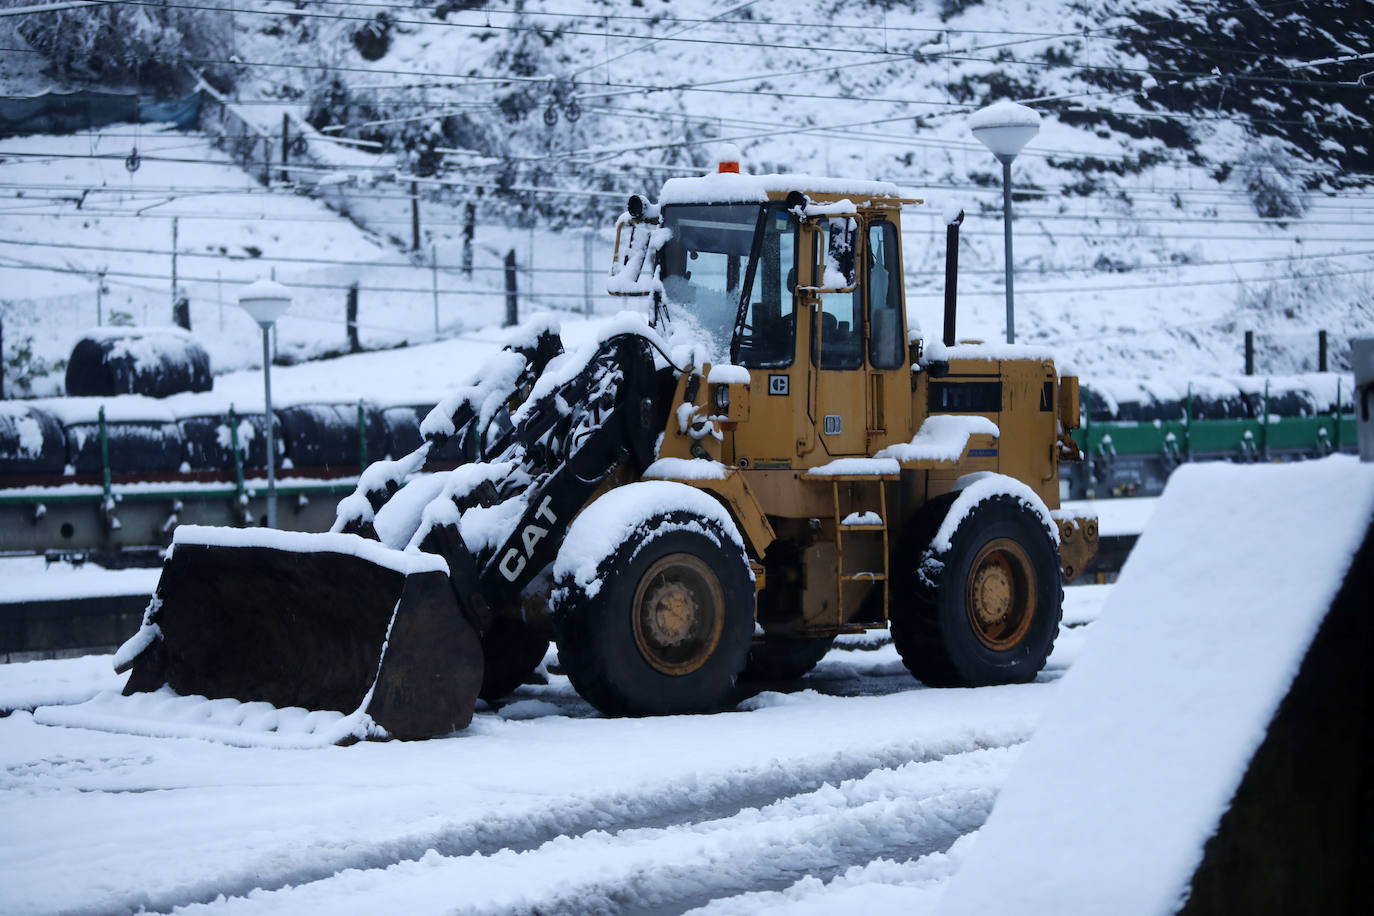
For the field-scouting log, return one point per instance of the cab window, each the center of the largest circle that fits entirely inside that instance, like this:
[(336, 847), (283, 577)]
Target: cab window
[(768, 336), (839, 335), (886, 348)]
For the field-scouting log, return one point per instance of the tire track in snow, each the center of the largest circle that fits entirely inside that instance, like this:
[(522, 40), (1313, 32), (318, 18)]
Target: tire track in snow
[(699, 797), (903, 812)]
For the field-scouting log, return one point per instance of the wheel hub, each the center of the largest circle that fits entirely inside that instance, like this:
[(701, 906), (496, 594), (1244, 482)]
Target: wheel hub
[(678, 614), (992, 592), (1000, 594), (671, 611)]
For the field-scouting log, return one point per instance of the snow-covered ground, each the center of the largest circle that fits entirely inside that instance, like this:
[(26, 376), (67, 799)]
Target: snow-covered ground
[(845, 792)]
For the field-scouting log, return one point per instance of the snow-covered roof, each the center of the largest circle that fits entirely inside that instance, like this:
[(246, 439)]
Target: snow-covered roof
[(1111, 804), (726, 188)]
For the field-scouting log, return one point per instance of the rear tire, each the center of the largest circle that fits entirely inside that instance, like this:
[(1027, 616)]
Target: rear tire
[(669, 627), (511, 650), (987, 609), (784, 659)]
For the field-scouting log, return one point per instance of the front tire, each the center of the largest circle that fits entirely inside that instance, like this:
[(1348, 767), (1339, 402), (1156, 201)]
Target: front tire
[(669, 626), (511, 650), (985, 610)]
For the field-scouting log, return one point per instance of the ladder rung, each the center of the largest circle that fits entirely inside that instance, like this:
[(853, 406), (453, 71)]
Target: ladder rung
[(874, 528), (865, 577)]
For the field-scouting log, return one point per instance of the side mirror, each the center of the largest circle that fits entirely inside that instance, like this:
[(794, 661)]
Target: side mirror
[(837, 269)]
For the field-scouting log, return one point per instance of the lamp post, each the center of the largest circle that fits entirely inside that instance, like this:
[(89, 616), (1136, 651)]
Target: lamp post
[(266, 301), (1004, 128)]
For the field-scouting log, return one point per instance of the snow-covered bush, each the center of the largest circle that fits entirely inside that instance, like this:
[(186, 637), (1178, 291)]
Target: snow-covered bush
[(373, 39), (1266, 171), (23, 368), (148, 46)]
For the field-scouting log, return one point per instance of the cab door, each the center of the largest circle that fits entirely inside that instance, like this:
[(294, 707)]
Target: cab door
[(888, 388), (838, 397)]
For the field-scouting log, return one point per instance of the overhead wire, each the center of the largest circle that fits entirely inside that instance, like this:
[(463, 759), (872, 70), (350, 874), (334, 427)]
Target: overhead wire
[(264, 258)]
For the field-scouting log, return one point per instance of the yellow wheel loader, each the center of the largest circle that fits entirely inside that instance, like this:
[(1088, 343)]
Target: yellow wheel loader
[(775, 458)]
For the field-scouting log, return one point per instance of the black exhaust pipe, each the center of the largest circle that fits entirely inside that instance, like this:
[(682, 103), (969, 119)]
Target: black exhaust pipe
[(951, 276)]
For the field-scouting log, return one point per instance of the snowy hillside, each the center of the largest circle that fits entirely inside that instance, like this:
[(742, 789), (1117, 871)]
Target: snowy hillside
[(1193, 178)]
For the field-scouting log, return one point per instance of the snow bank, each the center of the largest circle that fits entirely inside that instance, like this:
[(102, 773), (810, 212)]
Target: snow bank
[(34, 579), (1155, 725), (617, 517), (25, 685), (406, 562)]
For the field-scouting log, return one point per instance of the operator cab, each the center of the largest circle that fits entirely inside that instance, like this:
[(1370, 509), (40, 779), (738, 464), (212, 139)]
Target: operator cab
[(789, 276)]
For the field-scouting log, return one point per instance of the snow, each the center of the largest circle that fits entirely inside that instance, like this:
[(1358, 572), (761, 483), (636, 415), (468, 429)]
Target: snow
[(617, 518), (1155, 725), (1004, 113), (34, 579), (941, 437), (803, 801), (25, 685), (727, 187), (726, 374), (397, 521), (849, 467), (165, 714), (862, 518), (977, 487), (558, 810), (1115, 517), (994, 350), (407, 562), (686, 469)]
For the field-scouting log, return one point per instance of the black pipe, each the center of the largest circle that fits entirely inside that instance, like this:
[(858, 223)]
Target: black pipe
[(951, 275)]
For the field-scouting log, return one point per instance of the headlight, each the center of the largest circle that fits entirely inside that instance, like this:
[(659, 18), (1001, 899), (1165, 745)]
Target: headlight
[(722, 398)]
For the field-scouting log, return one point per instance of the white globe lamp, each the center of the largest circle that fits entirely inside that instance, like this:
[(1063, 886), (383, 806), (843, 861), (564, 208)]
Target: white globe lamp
[(265, 301), (1005, 128)]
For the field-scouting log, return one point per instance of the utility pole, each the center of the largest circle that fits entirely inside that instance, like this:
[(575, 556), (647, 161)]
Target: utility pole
[(512, 304), (434, 283), (174, 267), (469, 229), (587, 271), (414, 216)]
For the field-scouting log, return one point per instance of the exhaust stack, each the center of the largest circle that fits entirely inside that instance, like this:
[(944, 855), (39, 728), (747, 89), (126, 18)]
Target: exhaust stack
[(951, 275)]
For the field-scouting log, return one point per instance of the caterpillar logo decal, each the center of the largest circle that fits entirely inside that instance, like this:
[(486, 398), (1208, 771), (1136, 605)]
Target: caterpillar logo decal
[(514, 561)]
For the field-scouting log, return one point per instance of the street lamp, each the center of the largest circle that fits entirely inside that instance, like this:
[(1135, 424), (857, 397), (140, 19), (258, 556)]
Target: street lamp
[(1004, 128), (266, 301)]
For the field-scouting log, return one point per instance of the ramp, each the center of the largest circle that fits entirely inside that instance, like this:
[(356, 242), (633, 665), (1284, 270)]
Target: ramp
[(1211, 745)]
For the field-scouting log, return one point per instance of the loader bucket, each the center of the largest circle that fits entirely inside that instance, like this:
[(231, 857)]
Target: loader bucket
[(321, 621)]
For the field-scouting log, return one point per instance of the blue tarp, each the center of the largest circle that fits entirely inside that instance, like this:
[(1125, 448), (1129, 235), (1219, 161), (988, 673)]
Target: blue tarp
[(67, 112)]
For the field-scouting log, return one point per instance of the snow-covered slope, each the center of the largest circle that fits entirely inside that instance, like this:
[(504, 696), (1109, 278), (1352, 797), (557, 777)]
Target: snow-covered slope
[(1140, 245)]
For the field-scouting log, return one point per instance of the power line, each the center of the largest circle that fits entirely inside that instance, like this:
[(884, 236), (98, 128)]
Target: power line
[(406, 265), (300, 284), (1235, 281)]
